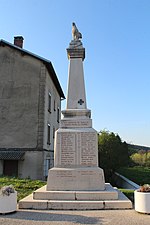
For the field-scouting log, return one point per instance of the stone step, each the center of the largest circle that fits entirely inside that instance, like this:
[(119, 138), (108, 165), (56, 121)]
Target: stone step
[(109, 193), (121, 203)]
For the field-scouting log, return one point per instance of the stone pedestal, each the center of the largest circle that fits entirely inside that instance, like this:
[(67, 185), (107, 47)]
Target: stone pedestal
[(76, 155)]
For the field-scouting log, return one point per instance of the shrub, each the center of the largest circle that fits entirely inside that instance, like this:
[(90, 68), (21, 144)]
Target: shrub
[(141, 158)]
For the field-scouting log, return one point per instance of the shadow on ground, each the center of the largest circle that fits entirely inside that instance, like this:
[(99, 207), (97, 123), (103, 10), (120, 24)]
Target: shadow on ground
[(55, 217)]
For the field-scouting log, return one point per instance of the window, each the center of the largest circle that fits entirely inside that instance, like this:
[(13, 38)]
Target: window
[(58, 114), (48, 134), (47, 166), (54, 105), (53, 132), (49, 102)]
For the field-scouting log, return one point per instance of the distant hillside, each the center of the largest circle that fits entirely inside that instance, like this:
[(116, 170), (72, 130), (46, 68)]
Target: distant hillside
[(136, 148)]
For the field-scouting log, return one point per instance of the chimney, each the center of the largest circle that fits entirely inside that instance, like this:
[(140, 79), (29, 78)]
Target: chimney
[(18, 41)]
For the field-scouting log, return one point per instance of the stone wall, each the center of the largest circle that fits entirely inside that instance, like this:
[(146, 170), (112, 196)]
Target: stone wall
[(19, 93), (32, 165)]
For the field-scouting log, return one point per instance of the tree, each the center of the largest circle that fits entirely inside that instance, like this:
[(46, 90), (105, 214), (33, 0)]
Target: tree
[(113, 153)]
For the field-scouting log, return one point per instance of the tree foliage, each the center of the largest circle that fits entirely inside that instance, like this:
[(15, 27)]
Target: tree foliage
[(141, 158), (113, 153)]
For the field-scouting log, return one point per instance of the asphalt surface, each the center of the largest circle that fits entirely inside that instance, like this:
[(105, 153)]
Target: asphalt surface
[(53, 217)]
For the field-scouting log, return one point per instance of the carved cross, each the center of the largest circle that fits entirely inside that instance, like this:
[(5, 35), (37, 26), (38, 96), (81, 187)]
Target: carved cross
[(80, 101)]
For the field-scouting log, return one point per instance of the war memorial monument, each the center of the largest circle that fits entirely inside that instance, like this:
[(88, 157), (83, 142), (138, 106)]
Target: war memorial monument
[(76, 181)]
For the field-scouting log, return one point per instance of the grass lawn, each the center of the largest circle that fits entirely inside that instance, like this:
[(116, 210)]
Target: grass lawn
[(128, 193), (137, 174), (23, 187)]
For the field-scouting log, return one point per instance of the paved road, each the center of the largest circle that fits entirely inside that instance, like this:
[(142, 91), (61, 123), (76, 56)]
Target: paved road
[(96, 217)]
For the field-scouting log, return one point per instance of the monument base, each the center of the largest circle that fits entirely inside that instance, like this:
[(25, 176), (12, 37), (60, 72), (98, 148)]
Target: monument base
[(72, 179), (110, 198)]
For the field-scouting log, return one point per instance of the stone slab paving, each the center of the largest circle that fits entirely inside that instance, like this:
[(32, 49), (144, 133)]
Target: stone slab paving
[(97, 217)]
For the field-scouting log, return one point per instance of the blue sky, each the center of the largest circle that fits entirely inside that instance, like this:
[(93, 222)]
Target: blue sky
[(116, 36)]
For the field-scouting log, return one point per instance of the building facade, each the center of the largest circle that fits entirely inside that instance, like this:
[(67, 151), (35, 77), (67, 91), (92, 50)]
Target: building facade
[(30, 107)]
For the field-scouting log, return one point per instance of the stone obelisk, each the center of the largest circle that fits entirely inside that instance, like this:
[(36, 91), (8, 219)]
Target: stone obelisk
[(76, 147)]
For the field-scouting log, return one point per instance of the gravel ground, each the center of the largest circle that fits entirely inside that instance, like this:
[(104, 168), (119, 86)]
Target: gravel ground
[(97, 217)]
